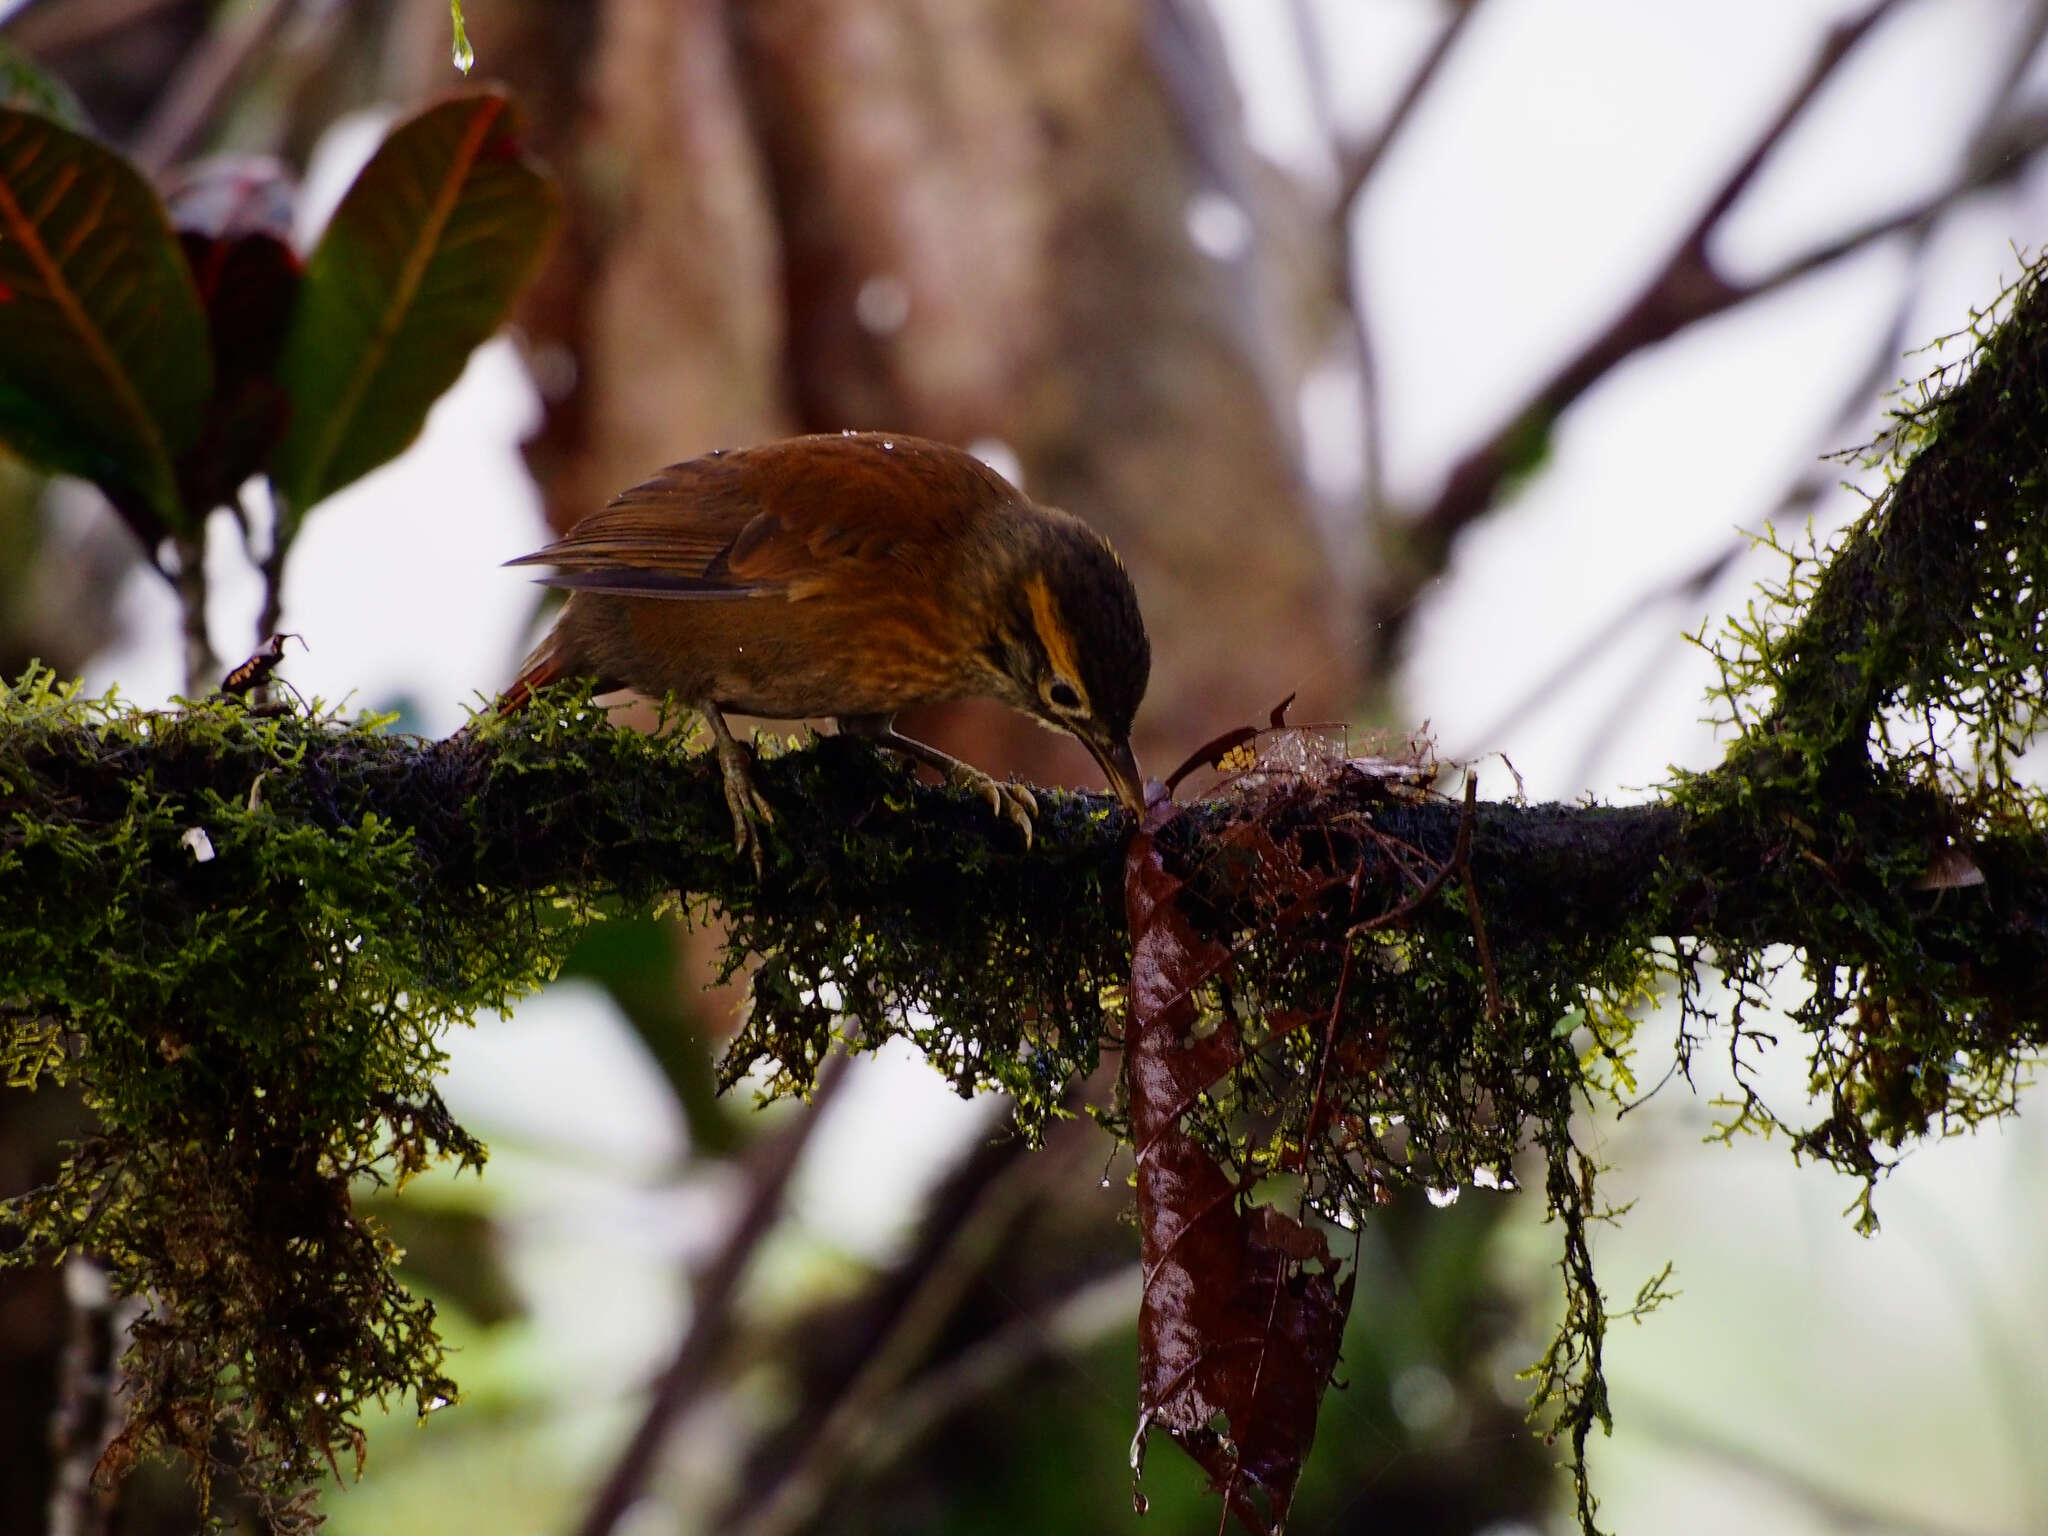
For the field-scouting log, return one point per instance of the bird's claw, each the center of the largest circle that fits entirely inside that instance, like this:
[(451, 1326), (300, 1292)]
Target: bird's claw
[(750, 811), (1012, 802)]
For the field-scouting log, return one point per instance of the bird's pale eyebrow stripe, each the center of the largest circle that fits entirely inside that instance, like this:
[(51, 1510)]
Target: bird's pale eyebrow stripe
[(1052, 633)]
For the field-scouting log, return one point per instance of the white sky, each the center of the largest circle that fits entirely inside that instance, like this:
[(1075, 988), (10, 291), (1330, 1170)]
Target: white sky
[(1565, 145)]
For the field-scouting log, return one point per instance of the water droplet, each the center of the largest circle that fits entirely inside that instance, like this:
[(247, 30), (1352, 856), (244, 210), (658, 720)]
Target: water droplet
[(1001, 457), (882, 304), (1422, 1397), (1218, 227), (461, 53)]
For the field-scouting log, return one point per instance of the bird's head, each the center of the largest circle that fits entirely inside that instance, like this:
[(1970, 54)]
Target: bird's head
[(1070, 644)]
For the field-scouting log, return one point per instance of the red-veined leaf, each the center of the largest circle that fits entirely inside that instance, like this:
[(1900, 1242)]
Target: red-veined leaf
[(420, 263), (233, 217), (104, 364)]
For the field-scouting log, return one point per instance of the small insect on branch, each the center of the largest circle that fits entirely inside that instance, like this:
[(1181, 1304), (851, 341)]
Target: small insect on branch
[(255, 674)]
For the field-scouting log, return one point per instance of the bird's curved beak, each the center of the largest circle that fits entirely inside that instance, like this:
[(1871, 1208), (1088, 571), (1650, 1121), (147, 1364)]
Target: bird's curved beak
[(1120, 765)]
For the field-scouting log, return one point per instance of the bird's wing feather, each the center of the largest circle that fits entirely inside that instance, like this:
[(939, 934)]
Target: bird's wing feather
[(673, 529), (839, 511), (632, 581)]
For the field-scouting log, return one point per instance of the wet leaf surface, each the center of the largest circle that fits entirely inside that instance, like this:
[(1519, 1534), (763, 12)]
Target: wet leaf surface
[(1243, 1306)]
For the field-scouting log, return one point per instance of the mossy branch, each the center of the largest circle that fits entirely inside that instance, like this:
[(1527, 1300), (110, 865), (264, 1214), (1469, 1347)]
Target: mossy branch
[(257, 1028), (240, 935), (556, 805), (1936, 594)]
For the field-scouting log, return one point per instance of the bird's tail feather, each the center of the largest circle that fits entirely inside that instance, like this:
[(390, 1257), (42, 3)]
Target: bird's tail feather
[(549, 663)]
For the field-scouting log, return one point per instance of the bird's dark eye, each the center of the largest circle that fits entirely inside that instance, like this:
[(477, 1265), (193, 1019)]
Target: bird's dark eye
[(1063, 696)]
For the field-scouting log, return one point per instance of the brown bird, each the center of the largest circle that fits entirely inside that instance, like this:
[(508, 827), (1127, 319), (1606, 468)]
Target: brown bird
[(851, 575)]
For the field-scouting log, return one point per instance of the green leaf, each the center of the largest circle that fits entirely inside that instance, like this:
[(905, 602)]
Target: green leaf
[(104, 364), (24, 84), (420, 264)]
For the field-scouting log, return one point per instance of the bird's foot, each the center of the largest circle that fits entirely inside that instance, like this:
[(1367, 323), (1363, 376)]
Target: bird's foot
[(1013, 802), (750, 811)]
